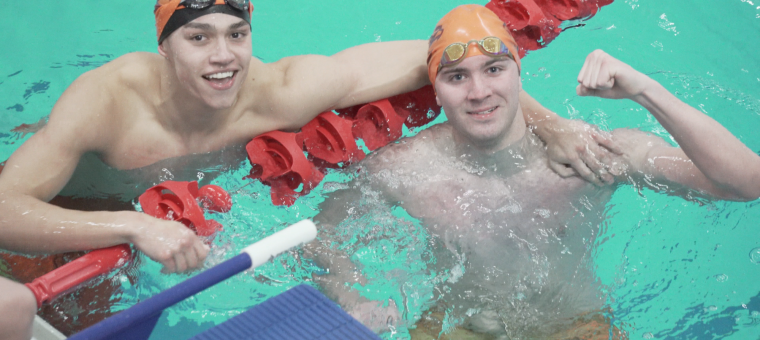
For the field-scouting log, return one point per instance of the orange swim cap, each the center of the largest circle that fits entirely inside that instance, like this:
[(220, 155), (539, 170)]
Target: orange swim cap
[(463, 24), (167, 22)]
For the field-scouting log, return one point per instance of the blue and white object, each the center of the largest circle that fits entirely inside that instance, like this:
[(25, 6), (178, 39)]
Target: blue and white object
[(138, 321)]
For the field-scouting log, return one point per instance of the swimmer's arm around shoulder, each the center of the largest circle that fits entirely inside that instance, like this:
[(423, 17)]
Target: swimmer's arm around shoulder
[(42, 166), (308, 85), (571, 146)]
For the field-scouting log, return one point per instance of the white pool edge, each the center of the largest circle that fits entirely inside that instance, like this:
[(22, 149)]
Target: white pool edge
[(41, 330)]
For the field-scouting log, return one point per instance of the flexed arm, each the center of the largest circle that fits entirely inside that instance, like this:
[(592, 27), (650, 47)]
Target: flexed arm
[(711, 159)]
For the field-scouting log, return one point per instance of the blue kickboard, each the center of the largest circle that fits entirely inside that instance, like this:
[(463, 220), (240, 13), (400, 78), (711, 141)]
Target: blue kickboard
[(299, 313)]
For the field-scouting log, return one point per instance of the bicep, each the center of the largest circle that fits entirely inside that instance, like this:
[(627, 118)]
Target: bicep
[(309, 85), (672, 166), (41, 167), (654, 163)]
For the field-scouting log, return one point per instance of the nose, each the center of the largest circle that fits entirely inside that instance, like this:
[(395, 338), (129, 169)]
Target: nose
[(222, 56), (480, 89)]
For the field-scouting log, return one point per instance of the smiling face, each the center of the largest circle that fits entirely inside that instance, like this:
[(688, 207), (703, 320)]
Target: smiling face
[(210, 57), (480, 97)]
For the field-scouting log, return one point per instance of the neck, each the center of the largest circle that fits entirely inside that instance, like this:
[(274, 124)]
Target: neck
[(506, 152), (510, 158), (182, 112)]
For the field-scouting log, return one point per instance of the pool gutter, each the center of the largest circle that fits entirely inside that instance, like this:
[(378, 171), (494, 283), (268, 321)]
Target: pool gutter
[(41, 330)]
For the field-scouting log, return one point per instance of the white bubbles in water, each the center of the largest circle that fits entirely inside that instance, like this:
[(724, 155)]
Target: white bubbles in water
[(754, 255), (721, 278), (648, 335)]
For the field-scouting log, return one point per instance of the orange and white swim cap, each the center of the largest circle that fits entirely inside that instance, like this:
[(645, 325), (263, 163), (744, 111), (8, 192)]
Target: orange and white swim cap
[(462, 25)]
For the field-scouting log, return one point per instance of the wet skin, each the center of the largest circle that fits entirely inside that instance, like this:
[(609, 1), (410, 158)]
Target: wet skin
[(517, 232)]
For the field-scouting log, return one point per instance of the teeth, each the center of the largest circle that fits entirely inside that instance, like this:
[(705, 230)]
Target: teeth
[(220, 75), (484, 112)]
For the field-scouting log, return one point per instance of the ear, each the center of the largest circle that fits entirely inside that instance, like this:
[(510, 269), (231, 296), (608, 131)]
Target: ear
[(437, 101), (162, 50), (519, 82)]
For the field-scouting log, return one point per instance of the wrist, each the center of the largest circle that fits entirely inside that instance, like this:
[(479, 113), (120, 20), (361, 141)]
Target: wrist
[(128, 225), (646, 97)]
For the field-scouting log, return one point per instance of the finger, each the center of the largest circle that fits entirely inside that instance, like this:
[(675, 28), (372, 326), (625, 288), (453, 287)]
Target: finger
[(169, 266), (593, 162), (584, 69), (584, 91), (191, 257), (598, 158), (606, 79), (591, 61), (586, 173), (561, 169), (181, 262), (595, 74), (201, 251), (609, 144)]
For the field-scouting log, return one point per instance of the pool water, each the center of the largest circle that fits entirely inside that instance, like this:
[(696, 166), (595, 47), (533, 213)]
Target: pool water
[(669, 268)]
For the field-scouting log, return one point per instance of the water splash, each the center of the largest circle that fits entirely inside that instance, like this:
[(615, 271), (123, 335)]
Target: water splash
[(754, 255)]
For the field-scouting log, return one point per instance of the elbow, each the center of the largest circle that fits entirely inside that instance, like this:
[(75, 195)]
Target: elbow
[(750, 195), (741, 194)]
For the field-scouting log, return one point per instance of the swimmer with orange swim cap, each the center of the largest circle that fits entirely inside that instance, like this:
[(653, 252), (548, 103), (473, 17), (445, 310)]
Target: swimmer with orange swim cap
[(511, 239), (464, 27), (203, 92)]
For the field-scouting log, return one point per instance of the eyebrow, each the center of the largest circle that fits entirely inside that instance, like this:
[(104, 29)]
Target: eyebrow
[(462, 69), (454, 70), (195, 25), (495, 60), (240, 24), (208, 27)]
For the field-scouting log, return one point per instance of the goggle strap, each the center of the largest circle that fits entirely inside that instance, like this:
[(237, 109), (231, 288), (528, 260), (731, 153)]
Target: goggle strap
[(185, 15)]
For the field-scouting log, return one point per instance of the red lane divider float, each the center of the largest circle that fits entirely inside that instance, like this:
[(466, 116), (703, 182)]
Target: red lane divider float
[(530, 27), (178, 201), (64, 278), (378, 124), (278, 159), (534, 24), (329, 138)]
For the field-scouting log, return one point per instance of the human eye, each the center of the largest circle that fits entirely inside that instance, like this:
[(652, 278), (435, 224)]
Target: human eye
[(494, 69), (197, 37), (237, 35), (456, 77)]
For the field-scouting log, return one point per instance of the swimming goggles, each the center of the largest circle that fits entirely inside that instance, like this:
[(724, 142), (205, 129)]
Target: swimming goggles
[(490, 46), (201, 4)]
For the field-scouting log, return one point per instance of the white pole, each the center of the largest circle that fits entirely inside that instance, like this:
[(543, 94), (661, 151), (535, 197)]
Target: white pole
[(264, 250)]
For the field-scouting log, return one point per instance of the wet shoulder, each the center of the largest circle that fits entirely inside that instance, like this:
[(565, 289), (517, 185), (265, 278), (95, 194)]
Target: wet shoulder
[(133, 73), (138, 70), (412, 152)]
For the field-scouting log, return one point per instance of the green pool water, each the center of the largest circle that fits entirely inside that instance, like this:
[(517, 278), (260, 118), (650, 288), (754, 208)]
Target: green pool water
[(670, 269)]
